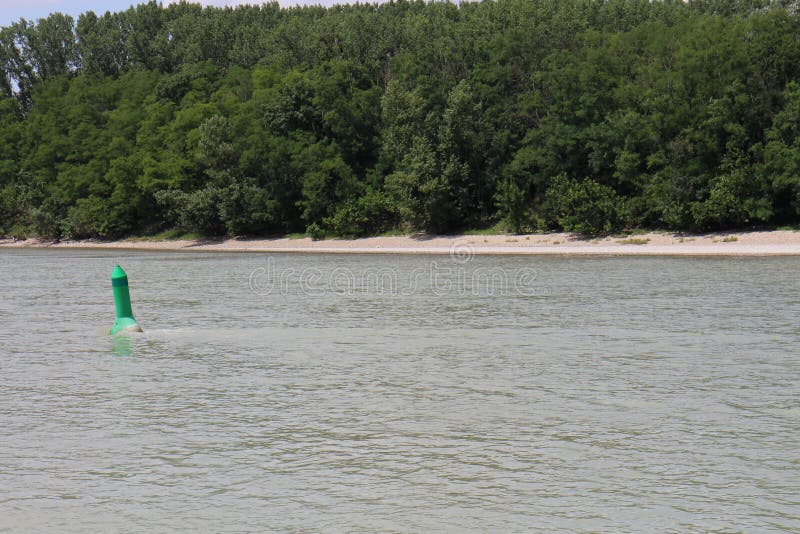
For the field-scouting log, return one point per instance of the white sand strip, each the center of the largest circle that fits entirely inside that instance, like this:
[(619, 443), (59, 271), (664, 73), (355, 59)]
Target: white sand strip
[(771, 243)]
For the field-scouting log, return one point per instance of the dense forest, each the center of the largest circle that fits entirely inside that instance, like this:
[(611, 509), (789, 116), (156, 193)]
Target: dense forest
[(591, 116)]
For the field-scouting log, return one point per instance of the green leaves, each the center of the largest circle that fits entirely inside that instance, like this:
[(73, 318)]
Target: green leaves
[(583, 206), (583, 115)]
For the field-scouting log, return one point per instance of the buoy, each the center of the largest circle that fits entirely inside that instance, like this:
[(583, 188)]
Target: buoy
[(122, 302)]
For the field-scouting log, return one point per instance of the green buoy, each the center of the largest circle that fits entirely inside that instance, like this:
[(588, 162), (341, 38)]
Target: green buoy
[(122, 303)]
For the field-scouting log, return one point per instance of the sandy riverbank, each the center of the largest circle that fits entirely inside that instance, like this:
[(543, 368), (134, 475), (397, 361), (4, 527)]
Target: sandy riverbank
[(771, 243)]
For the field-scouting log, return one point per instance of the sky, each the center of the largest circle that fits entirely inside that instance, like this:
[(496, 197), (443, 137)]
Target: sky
[(13, 10)]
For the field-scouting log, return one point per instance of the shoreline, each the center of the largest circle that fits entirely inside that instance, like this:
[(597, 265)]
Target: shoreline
[(765, 243)]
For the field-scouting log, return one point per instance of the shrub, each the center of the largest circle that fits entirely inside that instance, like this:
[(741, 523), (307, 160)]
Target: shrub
[(585, 207), (315, 232), (95, 217), (511, 206), (372, 213), (197, 211), (735, 199)]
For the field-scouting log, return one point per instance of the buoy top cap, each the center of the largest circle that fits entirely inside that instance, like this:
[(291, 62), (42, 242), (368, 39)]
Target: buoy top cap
[(119, 272)]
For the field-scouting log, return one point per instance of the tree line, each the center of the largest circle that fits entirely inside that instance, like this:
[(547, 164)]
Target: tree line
[(590, 116)]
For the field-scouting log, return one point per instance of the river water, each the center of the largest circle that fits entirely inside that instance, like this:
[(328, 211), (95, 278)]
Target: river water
[(397, 393)]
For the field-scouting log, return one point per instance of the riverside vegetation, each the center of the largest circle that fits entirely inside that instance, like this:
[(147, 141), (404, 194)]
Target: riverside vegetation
[(580, 115)]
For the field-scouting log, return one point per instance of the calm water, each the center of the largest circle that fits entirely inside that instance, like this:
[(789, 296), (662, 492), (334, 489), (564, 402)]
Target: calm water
[(380, 393)]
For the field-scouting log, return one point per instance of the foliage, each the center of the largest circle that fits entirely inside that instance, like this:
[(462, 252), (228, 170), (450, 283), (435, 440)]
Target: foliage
[(584, 206), (585, 115), (370, 214)]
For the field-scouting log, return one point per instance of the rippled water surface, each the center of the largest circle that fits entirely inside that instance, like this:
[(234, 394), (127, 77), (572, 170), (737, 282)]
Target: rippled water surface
[(386, 393)]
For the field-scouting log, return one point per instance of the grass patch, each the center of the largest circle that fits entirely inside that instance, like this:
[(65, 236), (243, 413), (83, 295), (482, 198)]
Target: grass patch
[(634, 241), (393, 233), (297, 235), (485, 231), (493, 230), (168, 235), (637, 231), (730, 239)]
